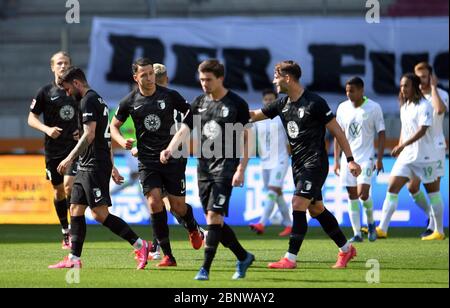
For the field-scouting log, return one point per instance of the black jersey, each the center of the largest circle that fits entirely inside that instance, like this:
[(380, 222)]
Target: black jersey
[(304, 122), (61, 111), (215, 115), (153, 118), (98, 154)]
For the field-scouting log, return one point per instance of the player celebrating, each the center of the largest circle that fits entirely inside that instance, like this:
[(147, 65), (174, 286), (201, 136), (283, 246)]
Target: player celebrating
[(274, 163), (61, 133), (218, 109), (362, 121), (439, 101), (305, 116), (91, 185), (415, 152), (152, 110)]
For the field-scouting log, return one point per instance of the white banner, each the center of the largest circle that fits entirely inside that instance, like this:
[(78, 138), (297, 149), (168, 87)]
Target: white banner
[(329, 51)]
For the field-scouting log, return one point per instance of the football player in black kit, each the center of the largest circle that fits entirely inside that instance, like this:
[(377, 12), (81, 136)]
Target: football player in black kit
[(91, 185), (60, 127), (152, 109), (305, 117), (220, 112)]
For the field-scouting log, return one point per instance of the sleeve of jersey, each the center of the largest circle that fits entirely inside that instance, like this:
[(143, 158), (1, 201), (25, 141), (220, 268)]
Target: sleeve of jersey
[(89, 113), (184, 107), (425, 115), (379, 120), (323, 111), (338, 116), (271, 110), (243, 114), (122, 112), (444, 97), (38, 103)]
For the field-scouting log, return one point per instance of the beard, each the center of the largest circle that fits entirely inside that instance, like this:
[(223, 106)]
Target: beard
[(77, 95)]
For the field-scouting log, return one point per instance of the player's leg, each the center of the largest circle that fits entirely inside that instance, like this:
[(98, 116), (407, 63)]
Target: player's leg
[(299, 228), (432, 185), (354, 212), (268, 204), (367, 202), (276, 181), (160, 226), (419, 198), (331, 227), (186, 217), (390, 203)]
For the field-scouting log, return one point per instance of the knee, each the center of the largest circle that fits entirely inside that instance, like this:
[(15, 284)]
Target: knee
[(67, 190), (364, 196), (59, 193), (316, 210), (100, 217)]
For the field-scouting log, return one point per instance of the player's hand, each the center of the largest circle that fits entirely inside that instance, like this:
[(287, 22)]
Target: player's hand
[(134, 152), (238, 179), (128, 145), (76, 135), (354, 168), (165, 156), (63, 166), (379, 166), (397, 150), (117, 178), (433, 80), (337, 169), (54, 132)]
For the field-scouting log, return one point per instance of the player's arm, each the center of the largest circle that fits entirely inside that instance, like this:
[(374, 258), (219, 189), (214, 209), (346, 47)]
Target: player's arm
[(85, 140), (116, 135), (337, 155), (334, 128), (380, 153), (436, 100), (257, 115), (35, 122), (419, 134), (117, 178), (182, 135), (239, 176)]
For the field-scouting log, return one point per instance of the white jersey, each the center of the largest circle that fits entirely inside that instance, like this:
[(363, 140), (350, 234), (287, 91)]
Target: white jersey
[(438, 121), (272, 142), (361, 125), (413, 116)]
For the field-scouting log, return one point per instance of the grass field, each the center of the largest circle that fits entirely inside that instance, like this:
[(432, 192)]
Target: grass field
[(405, 261)]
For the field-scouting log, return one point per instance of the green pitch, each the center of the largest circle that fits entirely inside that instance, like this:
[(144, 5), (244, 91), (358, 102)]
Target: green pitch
[(404, 260)]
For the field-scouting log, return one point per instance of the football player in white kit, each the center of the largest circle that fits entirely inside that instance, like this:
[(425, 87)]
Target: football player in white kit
[(439, 101), (273, 151), (362, 121), (415, 152)]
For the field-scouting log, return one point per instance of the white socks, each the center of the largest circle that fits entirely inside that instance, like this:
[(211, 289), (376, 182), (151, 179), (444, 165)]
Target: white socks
[(389, 207), (355, 216)]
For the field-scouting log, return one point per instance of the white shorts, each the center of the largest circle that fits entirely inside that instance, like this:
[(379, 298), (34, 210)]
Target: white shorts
[(440, 168), (348, 180), (275, 177), (426, 172)]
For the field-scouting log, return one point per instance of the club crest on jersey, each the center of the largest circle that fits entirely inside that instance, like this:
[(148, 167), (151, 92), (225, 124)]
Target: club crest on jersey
[(355, 129), (225, 111), (293, 129), (211, 130), (301, 112), (161, 104), (152, 122), (67, 113)]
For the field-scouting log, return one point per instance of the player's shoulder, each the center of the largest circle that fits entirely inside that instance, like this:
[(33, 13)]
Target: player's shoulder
[(233, 96), (344, 104), (443, 94), (129, 98), (313, 98), (45, 90), (92, 97), (373, 104)]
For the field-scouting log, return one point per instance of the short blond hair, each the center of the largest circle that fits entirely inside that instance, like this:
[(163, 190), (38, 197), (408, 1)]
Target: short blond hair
[(160, 69)]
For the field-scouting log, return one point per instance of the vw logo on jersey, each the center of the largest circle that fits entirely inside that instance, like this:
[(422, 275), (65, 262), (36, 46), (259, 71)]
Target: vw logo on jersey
[(161, 104), (293, 129), (211, 130), (225, 111), (67, 113), (301, 112), (152, 122), (355, 129)]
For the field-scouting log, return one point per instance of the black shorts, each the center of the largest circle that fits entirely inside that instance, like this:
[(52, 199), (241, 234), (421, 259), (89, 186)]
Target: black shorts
[(215, 195), (91, 188), (51, 166), (170, 177), (309, 183)]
